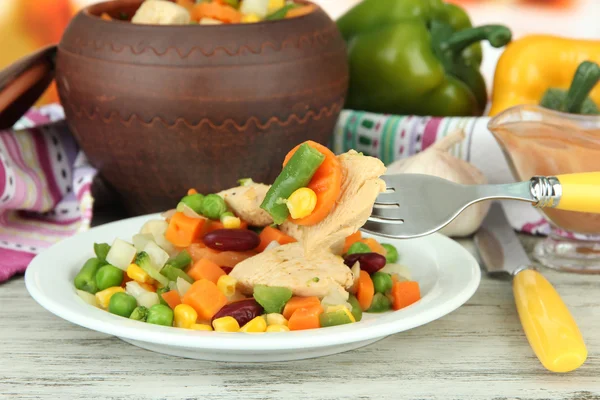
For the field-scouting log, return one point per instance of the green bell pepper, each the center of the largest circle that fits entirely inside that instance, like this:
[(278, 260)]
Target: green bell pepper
[(416, 57)]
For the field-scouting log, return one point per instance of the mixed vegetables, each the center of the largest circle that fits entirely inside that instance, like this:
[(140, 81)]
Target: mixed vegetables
[(178, 270), (214, 12)]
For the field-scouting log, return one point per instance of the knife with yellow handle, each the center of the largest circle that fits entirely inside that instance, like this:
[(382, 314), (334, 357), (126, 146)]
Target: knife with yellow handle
[(546, 320)]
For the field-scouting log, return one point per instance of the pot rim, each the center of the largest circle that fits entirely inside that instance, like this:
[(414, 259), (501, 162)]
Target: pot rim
[(94, 11)]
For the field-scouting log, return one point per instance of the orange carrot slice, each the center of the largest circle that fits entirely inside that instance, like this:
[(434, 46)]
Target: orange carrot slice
[(365, 290), (183, 230), (205, 298), (270, 234), (350, 240), (326, 183), (306, 318), (405, 293), (299, 302), (221, 258), (221, 12), (205, 269), (172, 298), (374, 246)]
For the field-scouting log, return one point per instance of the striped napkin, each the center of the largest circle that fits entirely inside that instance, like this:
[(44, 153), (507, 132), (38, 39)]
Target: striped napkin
[(45, 180), (45, 188)]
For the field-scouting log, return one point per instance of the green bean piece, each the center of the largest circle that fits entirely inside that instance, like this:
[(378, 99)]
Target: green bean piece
[(101, 250), (296, 174), (86, 278), (108, 276), (122, 304), (380, 303), (282, 12), (173, 273), (194, 201), (181, 260), (213, 206), (358, 248), (139, 314), (382, 282), (356, 310), (160, 314), (391, 255), (160, 292)]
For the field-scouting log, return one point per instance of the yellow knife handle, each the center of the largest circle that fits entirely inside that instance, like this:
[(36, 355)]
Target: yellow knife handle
[(548, 324), (580, 192)]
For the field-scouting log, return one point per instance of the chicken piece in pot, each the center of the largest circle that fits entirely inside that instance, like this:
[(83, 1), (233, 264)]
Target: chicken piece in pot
[(287, 266), (245, 202)]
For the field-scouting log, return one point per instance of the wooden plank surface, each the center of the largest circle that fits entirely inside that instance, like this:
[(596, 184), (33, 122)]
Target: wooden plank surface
[(477, 352)]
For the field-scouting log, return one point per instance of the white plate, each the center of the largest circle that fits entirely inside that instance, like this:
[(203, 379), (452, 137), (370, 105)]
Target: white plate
[(448, 276)]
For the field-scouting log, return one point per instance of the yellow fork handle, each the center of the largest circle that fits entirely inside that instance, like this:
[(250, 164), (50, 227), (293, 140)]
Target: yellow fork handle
[(580, 192), (550, 328)]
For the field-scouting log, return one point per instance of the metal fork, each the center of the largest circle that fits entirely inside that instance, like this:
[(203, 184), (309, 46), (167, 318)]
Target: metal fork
[(417, 205)]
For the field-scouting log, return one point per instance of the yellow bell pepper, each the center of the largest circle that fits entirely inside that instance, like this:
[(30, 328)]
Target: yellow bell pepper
[(531, 65)]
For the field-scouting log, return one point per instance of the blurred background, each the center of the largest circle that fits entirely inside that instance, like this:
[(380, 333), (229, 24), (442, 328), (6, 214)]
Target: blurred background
[(26, 25)]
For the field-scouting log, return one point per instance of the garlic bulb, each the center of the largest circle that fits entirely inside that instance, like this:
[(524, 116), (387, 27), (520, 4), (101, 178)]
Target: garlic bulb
[(436, 160)]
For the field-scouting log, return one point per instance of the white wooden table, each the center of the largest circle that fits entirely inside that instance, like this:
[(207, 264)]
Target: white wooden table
[(477, 352)]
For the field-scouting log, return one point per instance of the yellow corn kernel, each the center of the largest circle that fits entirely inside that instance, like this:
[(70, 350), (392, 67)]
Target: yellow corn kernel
[(226, 284), (342, 307), (256, 325), (139, 275), (277, 328), (226, 324), (230, 222), (276, 319), (201, 327), (184, 316), (302, 203), (103, 297), (275, 5), (250, 18)]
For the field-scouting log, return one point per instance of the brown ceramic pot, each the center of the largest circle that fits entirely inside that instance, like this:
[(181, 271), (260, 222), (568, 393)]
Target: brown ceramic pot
[(160, 109)]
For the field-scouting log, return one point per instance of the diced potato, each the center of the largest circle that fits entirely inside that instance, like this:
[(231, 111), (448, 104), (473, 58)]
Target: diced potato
[(87, 297), (158, 256), (141, 240), (157, 228), (258, 7), (148, 299), (161, 12), (121, 254)]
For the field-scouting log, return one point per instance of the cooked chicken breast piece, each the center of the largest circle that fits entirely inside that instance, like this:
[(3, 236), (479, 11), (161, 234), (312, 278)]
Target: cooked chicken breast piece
[(245, 202), (360, 187), (287, 266)]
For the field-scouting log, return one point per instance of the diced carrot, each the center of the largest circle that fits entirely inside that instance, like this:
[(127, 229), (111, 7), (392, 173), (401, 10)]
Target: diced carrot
[(192, 190), (147, 286), (221, 258), (365, 290), (105, 16), (299, 302), (172, 298), (270, 234), (350, 240), (205, 269), (188, 5), (326, 183), (374, 246), (221, 12), (405, 293), (183, 230), (300, 11), (305, 318), (214, 225), (205, 298)]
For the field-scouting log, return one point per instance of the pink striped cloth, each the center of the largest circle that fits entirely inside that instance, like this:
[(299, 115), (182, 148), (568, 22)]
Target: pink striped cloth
[(45, 188)]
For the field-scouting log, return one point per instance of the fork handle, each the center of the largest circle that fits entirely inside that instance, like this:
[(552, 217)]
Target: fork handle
[(580, 192)]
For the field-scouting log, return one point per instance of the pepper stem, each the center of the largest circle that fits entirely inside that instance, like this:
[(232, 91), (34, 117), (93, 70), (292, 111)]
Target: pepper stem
[(497, 35), (584, 80)]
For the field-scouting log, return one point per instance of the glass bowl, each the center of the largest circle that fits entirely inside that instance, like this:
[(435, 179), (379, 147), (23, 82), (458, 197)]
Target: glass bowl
[(539, 141)]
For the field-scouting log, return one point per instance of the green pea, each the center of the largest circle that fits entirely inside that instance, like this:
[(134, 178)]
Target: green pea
[(139, 314), (194, 201), (160, 314), (122, 304), (213, 206), (160, 292), (356, 310), (380, 303), (358, 248), (392, 253), (86, 278), (382, 282), (108, 276)]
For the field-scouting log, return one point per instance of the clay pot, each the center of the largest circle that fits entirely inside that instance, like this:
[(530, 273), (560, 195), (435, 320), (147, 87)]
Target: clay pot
[(160, 109)]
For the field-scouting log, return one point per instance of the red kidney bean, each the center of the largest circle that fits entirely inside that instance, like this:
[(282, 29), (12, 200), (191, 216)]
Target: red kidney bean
[(243, 311), (227, 270), (231, 240), (369, 262)]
